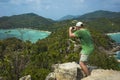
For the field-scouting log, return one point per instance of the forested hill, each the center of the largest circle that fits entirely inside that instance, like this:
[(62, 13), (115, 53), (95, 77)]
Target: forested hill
[(29, 20), (68, 17), (99, 20), (100, 14), (104, 21), (93, 15)]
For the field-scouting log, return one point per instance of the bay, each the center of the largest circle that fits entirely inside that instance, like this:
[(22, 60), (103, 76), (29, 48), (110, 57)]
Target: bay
[(116, 38), (24, 34)]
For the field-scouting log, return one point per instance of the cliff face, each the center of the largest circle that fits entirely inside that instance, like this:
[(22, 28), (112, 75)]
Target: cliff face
[(72, 71)]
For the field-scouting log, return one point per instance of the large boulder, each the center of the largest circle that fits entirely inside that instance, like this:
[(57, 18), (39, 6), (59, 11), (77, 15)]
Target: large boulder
[(66, 71)]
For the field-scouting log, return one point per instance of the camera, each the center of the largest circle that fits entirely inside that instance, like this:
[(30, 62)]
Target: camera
[(73, 28)]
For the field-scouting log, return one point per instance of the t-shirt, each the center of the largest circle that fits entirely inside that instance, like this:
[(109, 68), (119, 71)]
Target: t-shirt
[(86, 41)]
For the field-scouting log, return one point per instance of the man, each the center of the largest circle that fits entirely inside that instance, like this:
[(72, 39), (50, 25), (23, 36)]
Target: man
[(86, 43)]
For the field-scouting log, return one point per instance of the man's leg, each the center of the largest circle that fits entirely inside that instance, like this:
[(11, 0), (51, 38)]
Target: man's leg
[(84, 68), (83, 59)]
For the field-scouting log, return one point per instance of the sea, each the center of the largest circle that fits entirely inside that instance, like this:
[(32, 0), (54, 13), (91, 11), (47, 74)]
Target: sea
[(116, 38), (24, 34)]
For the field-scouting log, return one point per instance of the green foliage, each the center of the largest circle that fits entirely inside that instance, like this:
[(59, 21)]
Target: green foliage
[(103, 60), (101, 39), (105, 25), (36, 73), (13, 58), (72, 57)]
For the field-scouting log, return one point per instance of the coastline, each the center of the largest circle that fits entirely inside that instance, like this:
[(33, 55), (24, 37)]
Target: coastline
[(116, 45), (34, 29), (114, 36), (32, 35), (113, 33), (29, 29)]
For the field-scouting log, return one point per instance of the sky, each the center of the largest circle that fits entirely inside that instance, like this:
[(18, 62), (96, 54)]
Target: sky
[(55, 9)]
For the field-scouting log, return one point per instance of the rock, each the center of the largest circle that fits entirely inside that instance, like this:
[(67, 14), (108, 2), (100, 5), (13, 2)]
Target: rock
[(72, 71), (1, 78), (118, 61), (101, 74), (51, 76), (66, 71), (116, 48), (28, 77)]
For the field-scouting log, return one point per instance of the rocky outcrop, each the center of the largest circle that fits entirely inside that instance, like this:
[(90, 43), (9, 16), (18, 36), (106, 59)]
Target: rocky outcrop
[(118, 61), (101, 74), (28, 77), (117, 48), (1, 78), (66, 71), (72, 71)]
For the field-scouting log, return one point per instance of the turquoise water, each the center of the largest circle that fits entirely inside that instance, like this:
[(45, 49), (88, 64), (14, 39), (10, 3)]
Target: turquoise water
[(118, 54), (116, 38), (24, 34)]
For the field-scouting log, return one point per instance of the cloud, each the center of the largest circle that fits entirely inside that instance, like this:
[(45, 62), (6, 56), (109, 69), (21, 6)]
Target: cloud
[(111, 5), (79, 1), (82, 1), (47, 7), (112, 2), (19, 2), (27, 4)]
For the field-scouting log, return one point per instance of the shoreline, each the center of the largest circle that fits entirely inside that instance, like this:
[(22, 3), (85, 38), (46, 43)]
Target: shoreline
[(29, 29), (113, 33), (114, 36), (20, 31)]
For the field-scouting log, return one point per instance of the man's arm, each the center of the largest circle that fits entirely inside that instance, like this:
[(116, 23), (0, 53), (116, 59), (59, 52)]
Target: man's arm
[(71, 34)]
